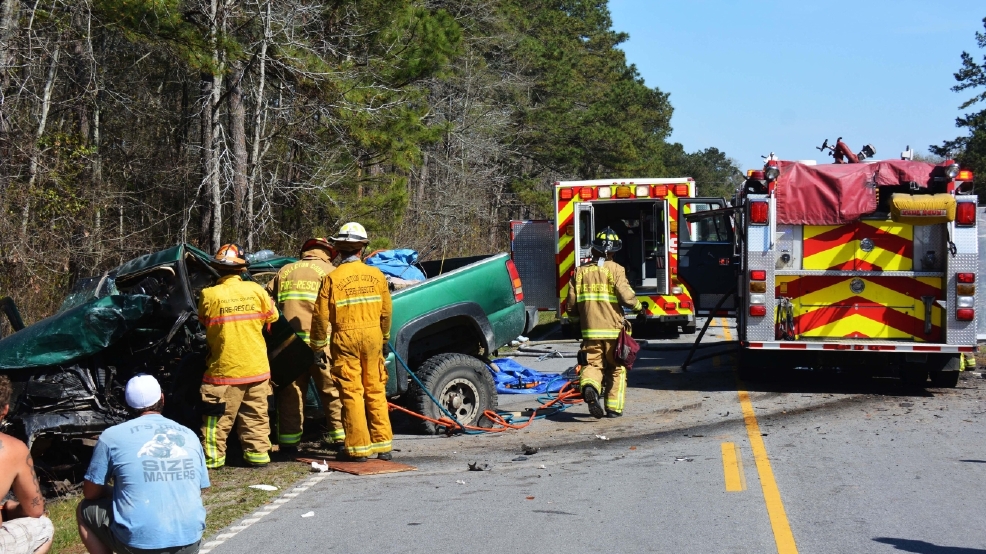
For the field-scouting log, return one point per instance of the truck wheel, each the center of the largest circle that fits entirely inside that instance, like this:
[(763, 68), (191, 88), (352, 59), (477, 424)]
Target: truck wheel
[(462, 384), (688, 329), (751, 366), (914, 375)]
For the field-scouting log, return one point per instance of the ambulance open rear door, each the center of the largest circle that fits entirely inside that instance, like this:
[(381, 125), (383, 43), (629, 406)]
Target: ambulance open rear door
[(706, 254)]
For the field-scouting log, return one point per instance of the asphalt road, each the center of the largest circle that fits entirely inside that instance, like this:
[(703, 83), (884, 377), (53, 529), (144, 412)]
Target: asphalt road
[(699, 463)]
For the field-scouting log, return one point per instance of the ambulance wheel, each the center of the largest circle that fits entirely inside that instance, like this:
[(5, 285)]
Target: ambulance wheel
[(462, 384), (688, 329)]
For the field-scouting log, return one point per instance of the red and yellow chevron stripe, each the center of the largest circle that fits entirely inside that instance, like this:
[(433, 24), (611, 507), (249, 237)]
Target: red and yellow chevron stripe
[(859, 246), (886, 307)]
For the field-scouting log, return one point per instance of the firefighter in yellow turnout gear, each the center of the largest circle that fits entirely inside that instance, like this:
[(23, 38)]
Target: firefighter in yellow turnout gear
[(236, 383), (354, 303), (595, 295), (295, 289)]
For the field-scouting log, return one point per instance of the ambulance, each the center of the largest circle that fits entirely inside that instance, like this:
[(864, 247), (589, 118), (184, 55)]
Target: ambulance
[(862, 268), (645, 213)]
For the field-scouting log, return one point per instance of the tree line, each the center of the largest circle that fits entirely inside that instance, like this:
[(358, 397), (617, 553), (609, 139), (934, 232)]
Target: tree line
[(127, 126)]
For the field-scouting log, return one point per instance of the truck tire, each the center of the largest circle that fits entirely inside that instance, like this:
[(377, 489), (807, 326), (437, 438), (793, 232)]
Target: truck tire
[(751, 366), (688, 329), (461, 383)]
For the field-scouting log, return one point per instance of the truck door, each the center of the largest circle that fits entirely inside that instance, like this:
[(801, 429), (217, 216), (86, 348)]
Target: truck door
[(584, 232), (706, 264)]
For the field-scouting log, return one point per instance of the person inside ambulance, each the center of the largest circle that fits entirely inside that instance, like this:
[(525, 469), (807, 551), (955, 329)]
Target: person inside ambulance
[(595, 296), (236, 383), (295, 289), (354, 306)]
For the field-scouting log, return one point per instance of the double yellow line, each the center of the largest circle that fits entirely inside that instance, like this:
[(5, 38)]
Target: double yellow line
[(733, 470)]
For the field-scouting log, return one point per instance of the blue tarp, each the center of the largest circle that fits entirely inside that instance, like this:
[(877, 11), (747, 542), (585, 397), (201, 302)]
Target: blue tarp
[(397, 263), (513, 378)]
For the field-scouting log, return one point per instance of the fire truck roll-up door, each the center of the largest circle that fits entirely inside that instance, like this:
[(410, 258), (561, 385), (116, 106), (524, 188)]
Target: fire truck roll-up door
[(706, 261)]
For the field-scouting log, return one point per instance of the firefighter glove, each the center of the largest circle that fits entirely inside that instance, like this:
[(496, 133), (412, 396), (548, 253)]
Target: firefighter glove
[(322, 360)]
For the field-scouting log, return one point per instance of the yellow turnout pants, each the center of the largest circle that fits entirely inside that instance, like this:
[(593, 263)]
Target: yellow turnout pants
[(358, 369), (291, 407), (246, 405), (603, 373)]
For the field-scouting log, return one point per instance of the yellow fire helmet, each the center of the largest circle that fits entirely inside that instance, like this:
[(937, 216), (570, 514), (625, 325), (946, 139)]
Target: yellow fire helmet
[(607, 241), (351, 232)]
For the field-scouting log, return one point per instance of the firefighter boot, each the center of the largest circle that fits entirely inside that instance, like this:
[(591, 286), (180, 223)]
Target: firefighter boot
[(385, 456), (591, 397)]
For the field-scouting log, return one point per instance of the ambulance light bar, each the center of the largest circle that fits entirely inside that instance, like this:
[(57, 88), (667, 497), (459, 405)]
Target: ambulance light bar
[(660, 191), (565, 194), (642, 190), (681, 190), (624, 191), (605, 192), (587, 193)]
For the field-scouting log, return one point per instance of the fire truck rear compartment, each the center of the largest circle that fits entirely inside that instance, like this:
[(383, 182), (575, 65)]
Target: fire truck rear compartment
[(642, 228)]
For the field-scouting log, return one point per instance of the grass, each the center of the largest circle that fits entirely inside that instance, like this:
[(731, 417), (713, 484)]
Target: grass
[(228, 499)]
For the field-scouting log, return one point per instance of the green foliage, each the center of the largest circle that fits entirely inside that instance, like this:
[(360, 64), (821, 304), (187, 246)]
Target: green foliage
[(970, 150), (715, 174)]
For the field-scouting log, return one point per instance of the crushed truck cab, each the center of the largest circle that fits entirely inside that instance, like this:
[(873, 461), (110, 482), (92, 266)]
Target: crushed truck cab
[(867, 267)]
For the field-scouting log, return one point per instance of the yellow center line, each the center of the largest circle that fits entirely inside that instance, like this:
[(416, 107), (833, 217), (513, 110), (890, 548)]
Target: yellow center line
[(771, 494), (725, 330), (732, 468)]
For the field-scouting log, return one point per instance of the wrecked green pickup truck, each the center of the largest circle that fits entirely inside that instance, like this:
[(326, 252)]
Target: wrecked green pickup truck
[(69, 370)]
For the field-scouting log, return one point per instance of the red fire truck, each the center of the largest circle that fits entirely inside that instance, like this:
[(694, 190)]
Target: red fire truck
[(850, 267)]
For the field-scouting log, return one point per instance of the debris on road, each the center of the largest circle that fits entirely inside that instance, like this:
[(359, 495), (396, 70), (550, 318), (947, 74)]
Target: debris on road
[(684, 459), (460, 482), (476, 466), (308, 514), (530, 450), (602, 437), (519, 459), (264, 487), (542, 467), (320, 468)]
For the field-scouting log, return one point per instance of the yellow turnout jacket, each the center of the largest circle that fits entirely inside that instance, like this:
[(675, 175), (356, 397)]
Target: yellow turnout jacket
[(295, 289), (234, 313), (595, 295), (354, 296)]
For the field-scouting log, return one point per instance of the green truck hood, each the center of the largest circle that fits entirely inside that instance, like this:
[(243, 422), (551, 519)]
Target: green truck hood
[(76, 333)]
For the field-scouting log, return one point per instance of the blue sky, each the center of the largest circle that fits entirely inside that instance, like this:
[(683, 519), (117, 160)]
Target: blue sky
[(758, 76)]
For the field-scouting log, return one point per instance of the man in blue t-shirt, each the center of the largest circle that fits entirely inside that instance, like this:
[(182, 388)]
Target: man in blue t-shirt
[(158, 470)]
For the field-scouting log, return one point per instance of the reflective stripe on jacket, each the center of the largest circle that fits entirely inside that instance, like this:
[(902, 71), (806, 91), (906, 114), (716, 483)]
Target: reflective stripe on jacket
[(354, 296), (234, 313), (595, 295), (295, 289)]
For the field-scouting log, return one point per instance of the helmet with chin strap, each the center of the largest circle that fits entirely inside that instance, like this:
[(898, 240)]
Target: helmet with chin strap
[(607, 241)]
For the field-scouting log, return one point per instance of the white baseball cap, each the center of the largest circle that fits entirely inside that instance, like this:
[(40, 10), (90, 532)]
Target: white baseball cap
[(143, 390)]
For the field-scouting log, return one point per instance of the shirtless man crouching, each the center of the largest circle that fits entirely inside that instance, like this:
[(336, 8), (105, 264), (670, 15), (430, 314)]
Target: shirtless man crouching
[(24, 527)]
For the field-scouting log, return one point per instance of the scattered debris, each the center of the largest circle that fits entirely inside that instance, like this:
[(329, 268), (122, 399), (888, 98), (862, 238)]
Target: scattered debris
[(602, 437), (684, 459), (633, 448), (308, 514), (320, 468), (476, 466), (529, 450), (461, 482), (906, 404), (519, 459), (542, 467), (530, 498), (264, 487)]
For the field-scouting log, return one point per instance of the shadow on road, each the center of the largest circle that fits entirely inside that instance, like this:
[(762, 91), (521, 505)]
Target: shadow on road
[(923, 547)]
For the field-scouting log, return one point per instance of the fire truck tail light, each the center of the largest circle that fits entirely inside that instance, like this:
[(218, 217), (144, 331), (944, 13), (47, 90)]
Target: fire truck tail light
[(758, 311), (686, 305), (758, 299), (758, 213), (670, 306), (659, 191), (675, 290), (605, 192), (965, 277), (681, 190), (758, 286), (515, 281), (587, 193), (758, 275), (643, 190), (962, 289), (565, 194), (965, 314), (965, 302), (965, 214), (964, 175), (624, 191)]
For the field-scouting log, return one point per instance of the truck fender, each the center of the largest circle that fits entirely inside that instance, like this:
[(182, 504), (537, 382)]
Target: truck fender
[(471, 310)]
